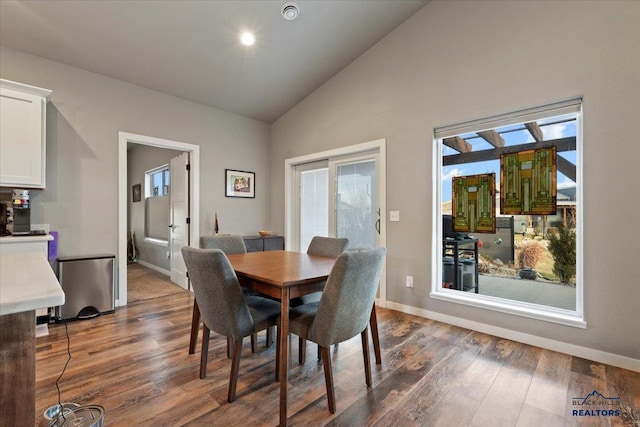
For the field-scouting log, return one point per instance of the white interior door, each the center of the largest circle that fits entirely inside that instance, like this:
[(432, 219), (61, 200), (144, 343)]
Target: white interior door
[(179, 227)]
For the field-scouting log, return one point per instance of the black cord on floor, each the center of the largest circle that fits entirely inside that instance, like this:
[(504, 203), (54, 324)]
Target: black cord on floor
[(66, 330)]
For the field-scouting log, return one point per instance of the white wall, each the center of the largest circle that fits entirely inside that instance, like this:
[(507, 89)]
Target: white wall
[(86, 113), (456, 61)]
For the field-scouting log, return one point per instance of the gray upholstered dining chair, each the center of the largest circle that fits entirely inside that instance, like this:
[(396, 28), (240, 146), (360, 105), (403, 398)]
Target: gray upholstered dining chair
[(330, 247), (343, 311), (230, 244), (327, 246), (223, 307)]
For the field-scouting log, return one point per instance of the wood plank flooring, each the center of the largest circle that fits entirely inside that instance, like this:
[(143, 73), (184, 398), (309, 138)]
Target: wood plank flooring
[(135, 363)]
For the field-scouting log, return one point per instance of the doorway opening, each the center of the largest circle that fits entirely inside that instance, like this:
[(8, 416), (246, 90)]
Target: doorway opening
[(124, 139)]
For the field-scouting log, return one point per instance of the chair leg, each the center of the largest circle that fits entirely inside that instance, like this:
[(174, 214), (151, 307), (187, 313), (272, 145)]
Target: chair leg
[(328, 379), (254, 340), (319, 352), (373, 323), (302, 350), (204, 353), (229, 346), (195, 325), (235, 367), (269, 337), (367, 356)]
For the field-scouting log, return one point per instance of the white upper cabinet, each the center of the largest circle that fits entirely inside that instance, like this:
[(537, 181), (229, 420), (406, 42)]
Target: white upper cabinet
[(23, 111)]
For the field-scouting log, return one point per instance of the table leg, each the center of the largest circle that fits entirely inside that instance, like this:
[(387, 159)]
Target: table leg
[(284, 354)]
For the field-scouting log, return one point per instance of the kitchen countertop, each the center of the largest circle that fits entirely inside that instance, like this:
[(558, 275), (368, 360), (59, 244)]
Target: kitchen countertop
[(19, 239), (27, 282)]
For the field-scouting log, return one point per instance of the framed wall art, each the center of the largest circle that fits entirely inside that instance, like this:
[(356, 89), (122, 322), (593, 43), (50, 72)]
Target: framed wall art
[(474, 203), (528, 182), (136, 192), (240, 184)]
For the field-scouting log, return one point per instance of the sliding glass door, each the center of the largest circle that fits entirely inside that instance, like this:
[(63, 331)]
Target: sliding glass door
[(338, 198), (354, 201), (313, 202)]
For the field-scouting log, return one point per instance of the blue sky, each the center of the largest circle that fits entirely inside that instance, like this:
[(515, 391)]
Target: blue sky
[(559, 130)]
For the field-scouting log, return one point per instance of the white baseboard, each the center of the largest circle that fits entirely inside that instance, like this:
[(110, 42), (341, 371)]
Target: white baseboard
[(154, 267), (562, 347)]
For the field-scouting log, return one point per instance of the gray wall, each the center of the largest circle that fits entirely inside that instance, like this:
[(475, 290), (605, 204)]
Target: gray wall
[(141, 158), (84, 117), (456, 61)]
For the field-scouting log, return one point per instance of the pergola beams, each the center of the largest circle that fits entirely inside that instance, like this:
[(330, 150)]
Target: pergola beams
[(492, 137), (467, 155), (561, 144), (535, 131), (458, 144)]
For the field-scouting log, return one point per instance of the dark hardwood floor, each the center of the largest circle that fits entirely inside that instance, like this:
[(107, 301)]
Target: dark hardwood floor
[(135, 363)]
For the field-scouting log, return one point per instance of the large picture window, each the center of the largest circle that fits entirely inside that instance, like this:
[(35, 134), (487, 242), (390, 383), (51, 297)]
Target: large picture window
[(529, 262)]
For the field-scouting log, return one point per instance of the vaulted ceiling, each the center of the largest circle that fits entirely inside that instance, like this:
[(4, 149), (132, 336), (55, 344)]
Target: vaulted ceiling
[(191, 49)]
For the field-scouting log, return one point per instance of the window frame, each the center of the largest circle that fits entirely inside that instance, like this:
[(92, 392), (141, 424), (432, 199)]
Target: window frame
[(551, 314)]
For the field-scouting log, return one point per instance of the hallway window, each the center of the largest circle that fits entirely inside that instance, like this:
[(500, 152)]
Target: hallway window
[(157, 208), (158, 182)]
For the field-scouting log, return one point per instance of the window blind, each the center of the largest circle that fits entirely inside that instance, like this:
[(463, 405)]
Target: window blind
[(157, 217), (570, 106)]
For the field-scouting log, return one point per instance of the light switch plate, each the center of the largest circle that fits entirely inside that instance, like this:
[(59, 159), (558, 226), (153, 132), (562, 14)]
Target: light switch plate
[(394, 216)]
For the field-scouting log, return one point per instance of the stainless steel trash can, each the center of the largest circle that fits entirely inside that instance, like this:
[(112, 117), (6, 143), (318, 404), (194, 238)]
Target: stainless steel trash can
[(89, 286)]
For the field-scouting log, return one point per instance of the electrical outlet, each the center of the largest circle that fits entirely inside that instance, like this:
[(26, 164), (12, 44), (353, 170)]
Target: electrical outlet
[(394, 216), (409, 281)]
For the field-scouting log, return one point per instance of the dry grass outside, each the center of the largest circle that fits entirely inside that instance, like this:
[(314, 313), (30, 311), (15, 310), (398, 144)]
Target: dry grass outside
[(544, 264), (529, 254), (545, 267)]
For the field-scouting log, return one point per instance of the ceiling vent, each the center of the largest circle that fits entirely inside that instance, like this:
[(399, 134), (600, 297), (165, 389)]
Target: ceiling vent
[(290, 11)]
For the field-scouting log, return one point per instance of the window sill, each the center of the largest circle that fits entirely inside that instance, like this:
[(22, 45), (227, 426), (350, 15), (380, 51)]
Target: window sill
[(517, 308), (156, 242)]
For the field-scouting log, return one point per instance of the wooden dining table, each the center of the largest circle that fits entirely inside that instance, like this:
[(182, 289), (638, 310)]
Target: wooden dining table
[(284, 275)]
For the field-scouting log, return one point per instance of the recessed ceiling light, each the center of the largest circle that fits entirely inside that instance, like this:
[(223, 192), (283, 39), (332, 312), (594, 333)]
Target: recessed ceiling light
[(290, 11), (247, 38)]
